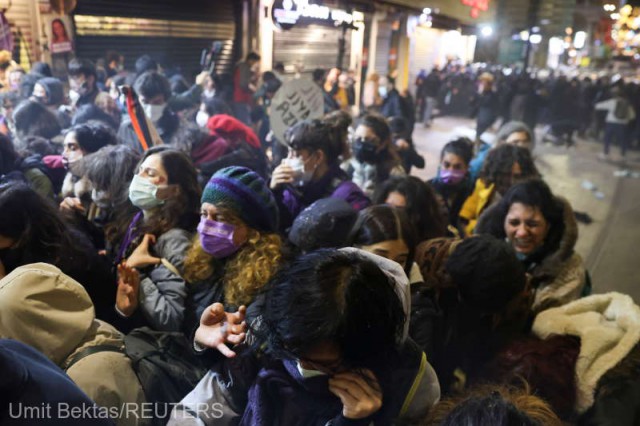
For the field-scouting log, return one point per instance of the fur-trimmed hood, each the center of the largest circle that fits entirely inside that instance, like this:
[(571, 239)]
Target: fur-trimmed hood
[(608, 326), (492, 222)]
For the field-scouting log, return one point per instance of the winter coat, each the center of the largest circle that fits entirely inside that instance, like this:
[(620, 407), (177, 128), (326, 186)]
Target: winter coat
[(44, 308), (482, 197), (162, 289), (369, 176), (452, 197), (167, 127), (226, 388), (30, 380), (608, 326), (557, 277), (335, 183)]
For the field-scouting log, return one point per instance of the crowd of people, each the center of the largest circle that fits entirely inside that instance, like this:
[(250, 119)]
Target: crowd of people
[(233, 278)]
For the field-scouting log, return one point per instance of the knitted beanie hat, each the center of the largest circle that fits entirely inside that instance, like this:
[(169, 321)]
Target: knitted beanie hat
[(247, 194), (324, 224)]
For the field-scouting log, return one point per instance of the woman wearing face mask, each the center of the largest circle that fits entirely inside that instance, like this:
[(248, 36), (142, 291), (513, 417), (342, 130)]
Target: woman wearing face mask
[(505, 166), (312, 171), (209, 107), (453, 184), (331, 349), (374, 156), (542, 229), (79, 141), (151, 255), (237, 249)]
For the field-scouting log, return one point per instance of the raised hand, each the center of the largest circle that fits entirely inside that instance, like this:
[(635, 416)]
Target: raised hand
[(71, 204), (141, 256), (219, 328), (128, 287), (361, 396)]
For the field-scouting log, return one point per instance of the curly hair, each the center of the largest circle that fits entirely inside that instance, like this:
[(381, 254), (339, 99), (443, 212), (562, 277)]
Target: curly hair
[(493, 405), (499, 163), (245, 273)]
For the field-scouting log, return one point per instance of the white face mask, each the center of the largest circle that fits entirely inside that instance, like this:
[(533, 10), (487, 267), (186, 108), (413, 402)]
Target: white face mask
[(202, 118), (153, 112), (307, 374), (300, 175), (74, 96)]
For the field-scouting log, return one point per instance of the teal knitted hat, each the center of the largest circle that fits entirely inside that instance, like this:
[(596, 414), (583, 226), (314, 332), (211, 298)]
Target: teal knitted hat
[(247, 194)]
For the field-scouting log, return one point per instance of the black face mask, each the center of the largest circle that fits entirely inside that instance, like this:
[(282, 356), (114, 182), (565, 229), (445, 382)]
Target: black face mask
[(365, 152)]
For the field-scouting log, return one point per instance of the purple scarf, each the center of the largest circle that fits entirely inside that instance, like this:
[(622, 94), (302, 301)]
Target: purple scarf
[(280, 395)]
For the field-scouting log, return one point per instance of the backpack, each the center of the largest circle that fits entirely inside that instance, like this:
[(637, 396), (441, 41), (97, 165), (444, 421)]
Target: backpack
[(166, 365), (621, 111)]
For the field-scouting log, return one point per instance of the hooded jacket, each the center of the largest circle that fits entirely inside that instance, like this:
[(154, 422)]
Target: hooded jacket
[(34, 390), (44, 308), (414, 387), (559, 276), (608, 326)]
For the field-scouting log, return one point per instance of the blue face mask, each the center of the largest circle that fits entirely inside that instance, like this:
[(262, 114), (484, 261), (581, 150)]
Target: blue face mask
[(142, 194)]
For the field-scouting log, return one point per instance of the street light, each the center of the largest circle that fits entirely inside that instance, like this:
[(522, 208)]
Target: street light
[(615, 16), (535, 38), (487, 31), (609, 7)]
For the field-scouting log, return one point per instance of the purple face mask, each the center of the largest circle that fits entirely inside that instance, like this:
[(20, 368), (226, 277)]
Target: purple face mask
[(216, 238), (452, 177)]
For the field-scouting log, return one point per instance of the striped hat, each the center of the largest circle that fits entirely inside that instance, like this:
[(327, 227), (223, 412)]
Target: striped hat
[(246, 193)]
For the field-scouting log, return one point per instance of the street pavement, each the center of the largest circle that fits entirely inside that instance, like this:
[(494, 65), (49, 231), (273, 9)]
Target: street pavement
[(610, 245)]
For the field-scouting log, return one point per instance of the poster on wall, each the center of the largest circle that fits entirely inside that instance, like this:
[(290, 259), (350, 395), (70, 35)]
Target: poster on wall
[(60, 36)]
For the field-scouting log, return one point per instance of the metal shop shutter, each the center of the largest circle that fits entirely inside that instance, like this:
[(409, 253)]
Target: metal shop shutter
[(173, 32), (22, 21), (313, 46), (383, 47)]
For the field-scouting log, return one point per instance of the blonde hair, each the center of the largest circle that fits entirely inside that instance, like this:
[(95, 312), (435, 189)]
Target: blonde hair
[(520, 397), (245, 273)]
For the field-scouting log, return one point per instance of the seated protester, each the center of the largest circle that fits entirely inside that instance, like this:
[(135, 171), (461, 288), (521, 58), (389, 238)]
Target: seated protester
[(326, 223), (49, 91), (32, 230), (386, 231), (208, 108), (506, 165), (48, 310), (237, 249), (453, 183), (80, 141), (31, 380), (374, 157), (110, 171), (542, 229), (83, 87), (478, 286), (513, 133), (153, 92), (8, 102), (418, 201), (401, 136), (583, 359), (14, 168), (331, 338), (230, 143), (312, 171), (31, 118), (150, 258), (493, 405)]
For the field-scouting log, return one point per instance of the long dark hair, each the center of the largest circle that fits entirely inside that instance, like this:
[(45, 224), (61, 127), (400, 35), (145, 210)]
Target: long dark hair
[(333, 296), (182, 210), (500, 160), (380, 223), (422, 205), (39, 232)]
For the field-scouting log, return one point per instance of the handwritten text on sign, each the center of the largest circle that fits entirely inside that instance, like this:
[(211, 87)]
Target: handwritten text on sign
[(295, 101)]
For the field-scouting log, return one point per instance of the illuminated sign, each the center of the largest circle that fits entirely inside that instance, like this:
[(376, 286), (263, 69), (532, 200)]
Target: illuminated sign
[(476, 6), (286, 13)]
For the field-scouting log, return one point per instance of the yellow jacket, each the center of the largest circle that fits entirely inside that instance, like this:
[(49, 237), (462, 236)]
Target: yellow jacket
[(477, 202)]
